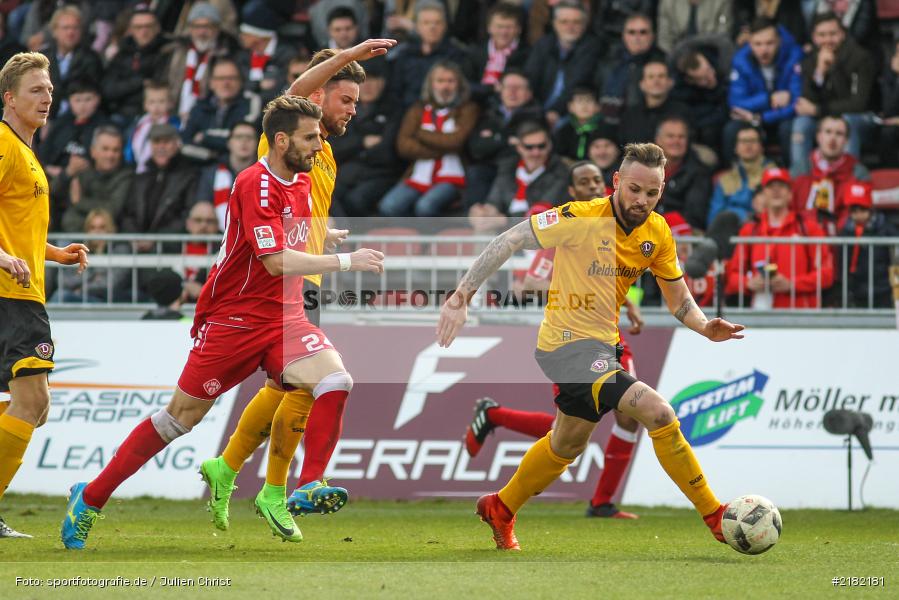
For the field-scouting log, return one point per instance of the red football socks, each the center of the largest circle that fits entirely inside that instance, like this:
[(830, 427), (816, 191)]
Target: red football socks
[(617, 458), (322, 433), (138, 448), (534, 424)]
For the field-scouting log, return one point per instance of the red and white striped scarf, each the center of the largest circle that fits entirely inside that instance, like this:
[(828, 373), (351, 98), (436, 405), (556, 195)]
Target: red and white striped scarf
[(259, 61), (194, 72), (221, 190), (496, 62), (140, 142), (194, 249), (446, 169), (523, 178)]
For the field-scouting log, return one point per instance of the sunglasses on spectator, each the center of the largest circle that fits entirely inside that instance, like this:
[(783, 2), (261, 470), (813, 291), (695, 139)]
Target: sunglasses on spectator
[(541, 146), (209, 221), (637, 31)]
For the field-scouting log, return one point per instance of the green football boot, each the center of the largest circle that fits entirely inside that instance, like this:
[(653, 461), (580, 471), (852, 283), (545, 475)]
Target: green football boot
[(220, 479), (271, 505)]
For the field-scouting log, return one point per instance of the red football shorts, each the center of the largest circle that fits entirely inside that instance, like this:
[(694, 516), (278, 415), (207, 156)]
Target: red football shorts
[(224, 355)]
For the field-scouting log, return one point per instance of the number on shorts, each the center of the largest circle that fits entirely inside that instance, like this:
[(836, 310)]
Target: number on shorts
[(314, 343)]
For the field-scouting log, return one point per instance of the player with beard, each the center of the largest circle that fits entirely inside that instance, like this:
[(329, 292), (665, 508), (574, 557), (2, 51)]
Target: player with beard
[(602, 247), (249, 315), (332, 82)]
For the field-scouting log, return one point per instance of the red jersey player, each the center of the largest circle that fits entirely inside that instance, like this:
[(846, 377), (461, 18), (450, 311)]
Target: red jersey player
[(249, 314), (585, 183)]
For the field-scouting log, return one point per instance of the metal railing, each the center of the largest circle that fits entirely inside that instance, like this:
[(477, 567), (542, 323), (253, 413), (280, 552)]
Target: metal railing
[(433, 265)]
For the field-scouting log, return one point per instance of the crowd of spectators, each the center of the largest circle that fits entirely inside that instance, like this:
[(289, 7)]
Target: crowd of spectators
[(479, 111)]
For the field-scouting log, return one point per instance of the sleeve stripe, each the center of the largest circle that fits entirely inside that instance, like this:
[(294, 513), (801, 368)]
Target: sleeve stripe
[(681, 276), (531, 223)]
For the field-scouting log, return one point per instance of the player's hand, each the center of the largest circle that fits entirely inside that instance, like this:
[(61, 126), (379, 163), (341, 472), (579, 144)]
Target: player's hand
[(719, 330), (17, 268), (369, 49), (71, 255), (635, 317), (334, 238), (366, 259), (453, 315)]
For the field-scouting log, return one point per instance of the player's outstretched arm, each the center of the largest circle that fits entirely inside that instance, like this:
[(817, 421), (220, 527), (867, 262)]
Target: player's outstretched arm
[(291, 262), (70, 255), (454, 312), (681, 304), (316, 77)]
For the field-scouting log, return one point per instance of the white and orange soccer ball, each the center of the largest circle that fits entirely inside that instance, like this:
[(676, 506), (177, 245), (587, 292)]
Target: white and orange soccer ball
[(751, 524)]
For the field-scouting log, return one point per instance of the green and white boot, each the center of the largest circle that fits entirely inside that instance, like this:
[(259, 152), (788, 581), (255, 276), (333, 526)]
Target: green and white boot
[(271, 505)]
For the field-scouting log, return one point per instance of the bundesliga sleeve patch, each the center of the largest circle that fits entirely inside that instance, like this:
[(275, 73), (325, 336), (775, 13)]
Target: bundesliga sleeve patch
[(547, 219), (264, 237)]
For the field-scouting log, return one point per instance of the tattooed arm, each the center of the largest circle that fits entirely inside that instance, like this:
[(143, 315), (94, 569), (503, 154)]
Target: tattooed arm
[(454, 312), (683, 307)]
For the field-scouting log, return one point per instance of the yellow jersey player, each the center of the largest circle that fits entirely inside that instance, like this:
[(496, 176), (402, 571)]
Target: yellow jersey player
[(602, 247), (332, 81), (26, 347)]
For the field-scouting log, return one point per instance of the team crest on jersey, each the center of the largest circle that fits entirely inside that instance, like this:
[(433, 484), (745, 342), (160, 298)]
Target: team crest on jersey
[(212, 386), (547, 219), (600, 365), (264, 237), (44, 350), (647, 248)]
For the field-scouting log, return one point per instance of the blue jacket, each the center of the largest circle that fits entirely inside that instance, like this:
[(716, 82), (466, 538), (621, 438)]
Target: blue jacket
[(747, 84)]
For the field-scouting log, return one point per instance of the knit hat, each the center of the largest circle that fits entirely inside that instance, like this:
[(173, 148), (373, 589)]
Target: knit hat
[(204, 10), (258, 19)]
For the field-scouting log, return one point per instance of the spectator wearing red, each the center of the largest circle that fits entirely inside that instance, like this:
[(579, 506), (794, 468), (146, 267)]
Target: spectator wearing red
[(702, 288), (821, 191), (433, 135), (503, 49), (780, 275), (865, 222)]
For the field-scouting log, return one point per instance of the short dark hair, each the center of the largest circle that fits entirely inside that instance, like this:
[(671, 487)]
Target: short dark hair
[(825, 18), (515, 71), (506, 11), (225, 60), (351, 72), (688, 61), (762, 23), (342, 12), (583, 90), (839, 118), (81, 86), (106, 130), (655, 61), (283, 114), (673, 119), (743, 126), (578, 165), (639, 15), (242, 124), (531, 126), (571, 4)]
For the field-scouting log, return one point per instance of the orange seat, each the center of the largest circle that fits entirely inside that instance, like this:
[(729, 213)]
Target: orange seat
[(394, 248), (885, 186)]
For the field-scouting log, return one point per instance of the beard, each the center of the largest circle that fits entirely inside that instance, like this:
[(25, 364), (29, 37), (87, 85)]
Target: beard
[(296, 161), (334, 126)]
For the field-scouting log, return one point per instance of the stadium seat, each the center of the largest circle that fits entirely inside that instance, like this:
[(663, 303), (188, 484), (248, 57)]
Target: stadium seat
[(885, 184), (394, 248), (455, 248)]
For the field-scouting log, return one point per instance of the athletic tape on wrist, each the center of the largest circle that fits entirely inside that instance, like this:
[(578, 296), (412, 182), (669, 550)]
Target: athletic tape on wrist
[(345, 261)]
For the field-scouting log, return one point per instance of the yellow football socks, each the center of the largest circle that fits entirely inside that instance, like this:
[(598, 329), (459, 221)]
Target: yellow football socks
[(288, 427), (677, 458), (539, 467), (14, 437), (253, 428)]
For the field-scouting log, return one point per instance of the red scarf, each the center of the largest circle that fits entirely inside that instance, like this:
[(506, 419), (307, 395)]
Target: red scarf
[(194, 72), (221, 190), (426, 173), (853, 265), (523, 179), (258, 62), (194, 249), (496, 62)]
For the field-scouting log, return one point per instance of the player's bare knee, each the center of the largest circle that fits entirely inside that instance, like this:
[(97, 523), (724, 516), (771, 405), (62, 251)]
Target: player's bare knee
[(626, 422), (664, 415), (337, 381)]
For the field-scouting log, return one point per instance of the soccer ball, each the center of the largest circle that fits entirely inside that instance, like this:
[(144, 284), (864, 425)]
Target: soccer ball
[(751, 524)]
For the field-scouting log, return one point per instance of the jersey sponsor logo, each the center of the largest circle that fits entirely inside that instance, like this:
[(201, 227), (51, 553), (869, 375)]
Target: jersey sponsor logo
[(543, 268), (298, 234), (44, 350), (39, 190), (547, 219), (647, 248), (212, 386), (598, 269), (707, 410), (264, 237), (599, 365)]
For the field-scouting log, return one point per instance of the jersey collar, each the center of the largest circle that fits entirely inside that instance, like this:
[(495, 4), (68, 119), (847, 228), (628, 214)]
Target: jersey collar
[(284, 181)]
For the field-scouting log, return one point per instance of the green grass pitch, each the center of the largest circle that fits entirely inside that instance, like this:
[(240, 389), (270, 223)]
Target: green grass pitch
[(438, 549)]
